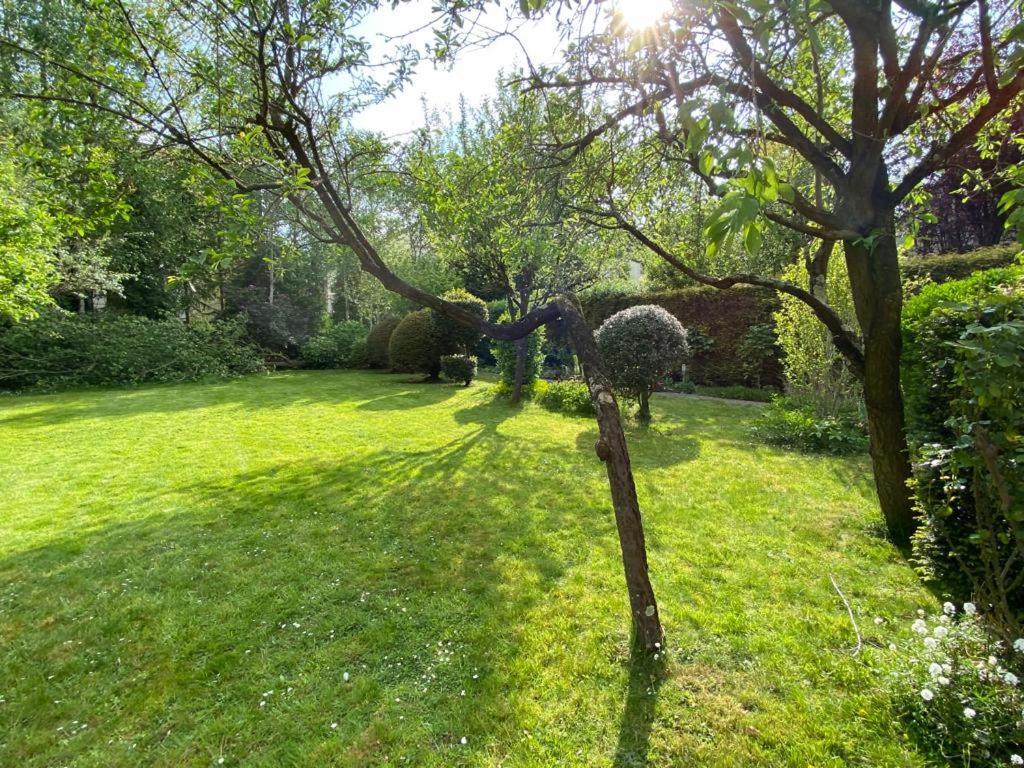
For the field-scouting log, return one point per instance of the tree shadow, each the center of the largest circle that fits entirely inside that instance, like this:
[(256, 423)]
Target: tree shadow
[(649, 448), (646, 676)]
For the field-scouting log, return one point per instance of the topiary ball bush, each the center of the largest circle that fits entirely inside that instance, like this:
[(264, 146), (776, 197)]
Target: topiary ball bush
[(458, 368), (452, 336), (641, 345), (379, 340), (414, 345)]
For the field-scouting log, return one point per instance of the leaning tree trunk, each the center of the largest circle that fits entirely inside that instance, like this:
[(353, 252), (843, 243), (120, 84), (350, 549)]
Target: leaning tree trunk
[(644, 414), (878, 300), (611, 449)]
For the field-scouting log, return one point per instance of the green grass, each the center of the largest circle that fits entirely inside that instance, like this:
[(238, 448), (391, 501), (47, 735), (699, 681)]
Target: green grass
[(170, 555)]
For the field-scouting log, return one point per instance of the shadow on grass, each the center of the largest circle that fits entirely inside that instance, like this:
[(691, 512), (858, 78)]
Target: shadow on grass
[(311, 566), (646, 676)]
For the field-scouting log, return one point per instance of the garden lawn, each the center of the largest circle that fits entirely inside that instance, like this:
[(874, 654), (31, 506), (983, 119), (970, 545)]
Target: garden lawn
[(350, 569)]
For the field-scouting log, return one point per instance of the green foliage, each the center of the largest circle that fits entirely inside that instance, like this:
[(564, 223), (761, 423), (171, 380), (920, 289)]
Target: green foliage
[(505, 355), (28, 238), (58, 351), (343, 345), (568, 396), (452, 336), (414, 346), (801, 426), (640, 345), (943, 267), (964, 376), (956, 687), (378, 342), (753, 394), (459, 368), (814, 369)]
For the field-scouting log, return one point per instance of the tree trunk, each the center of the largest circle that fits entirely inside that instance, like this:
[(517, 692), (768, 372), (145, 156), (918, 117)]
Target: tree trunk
[(644, 414), (878, 299), (612, 450), (520, 372)]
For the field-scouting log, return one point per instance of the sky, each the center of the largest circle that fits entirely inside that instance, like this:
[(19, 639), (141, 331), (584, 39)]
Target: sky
[(473, 74)]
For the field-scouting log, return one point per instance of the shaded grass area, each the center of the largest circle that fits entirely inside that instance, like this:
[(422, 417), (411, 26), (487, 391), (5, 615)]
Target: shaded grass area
[(188, 573)]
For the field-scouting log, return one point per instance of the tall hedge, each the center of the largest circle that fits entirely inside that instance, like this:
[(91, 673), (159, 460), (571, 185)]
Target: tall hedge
[(723, 317), (378, 340)]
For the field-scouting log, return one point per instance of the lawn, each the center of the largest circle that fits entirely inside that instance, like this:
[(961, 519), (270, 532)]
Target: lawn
[(350, 569)]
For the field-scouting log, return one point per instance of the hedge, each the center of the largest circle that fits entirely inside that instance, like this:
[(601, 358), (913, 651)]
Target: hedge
[(378, 340), (942, 267), (724, 317)]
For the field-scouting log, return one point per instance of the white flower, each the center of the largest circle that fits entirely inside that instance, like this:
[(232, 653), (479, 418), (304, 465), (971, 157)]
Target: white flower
[(920, 627), (940, 631), (948, 608), (1011, 678), (879, 620), (970, 609), (934, 669), (931, 642), (927, 695), (941, 680), (1018, 645), (1016, 760), (464, 740), (345, 677), (969, 713)]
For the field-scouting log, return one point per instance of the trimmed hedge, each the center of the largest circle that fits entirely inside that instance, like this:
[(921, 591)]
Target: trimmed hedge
[(943, 267), (723, 317), (460, 369), (414, 345), (59, 351), (378, 340)]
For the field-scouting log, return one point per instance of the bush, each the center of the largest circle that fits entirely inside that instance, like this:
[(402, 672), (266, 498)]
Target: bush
[(378, 342), (640, 345), (751, 394), (571, 397), (58, 351), (943, 267), (505, 357), (956, 686), (815, 370), (342, 346), (964, 379), (458, 368), (791, 424), (414, 345), (452, 336)]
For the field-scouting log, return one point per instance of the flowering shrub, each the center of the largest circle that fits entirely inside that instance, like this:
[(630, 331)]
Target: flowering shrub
[(960, 690)]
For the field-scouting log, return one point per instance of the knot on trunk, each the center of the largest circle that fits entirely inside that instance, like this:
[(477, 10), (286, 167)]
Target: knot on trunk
[(602, 449)]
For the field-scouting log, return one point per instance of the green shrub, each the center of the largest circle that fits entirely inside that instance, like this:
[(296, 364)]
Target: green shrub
[(459, 368), (752, 394), (343, 345), (378, 341), (791, 424), (414, 345), (815, 370), (640, 345), (58, 351), (964, 381), (505, 357), (570, 397), (943, 267), (452, 336)]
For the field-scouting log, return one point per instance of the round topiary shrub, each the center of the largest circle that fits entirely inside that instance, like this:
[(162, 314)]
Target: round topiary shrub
[(452, 336), (414, 345), (640, 345), (458, 368), (378, 341)]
